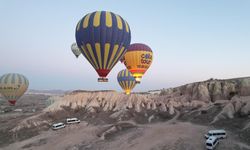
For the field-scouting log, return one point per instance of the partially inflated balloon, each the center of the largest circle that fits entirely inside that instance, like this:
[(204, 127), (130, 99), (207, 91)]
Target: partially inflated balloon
[(13, 86), (126, 80), (138, 59), (103, 38), (75, 50)]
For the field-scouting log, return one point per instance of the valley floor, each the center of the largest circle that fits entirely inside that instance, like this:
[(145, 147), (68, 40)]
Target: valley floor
[(158, 136)]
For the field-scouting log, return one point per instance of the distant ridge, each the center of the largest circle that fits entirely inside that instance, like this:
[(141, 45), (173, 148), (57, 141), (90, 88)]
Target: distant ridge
[(89, 91), (47, 92)]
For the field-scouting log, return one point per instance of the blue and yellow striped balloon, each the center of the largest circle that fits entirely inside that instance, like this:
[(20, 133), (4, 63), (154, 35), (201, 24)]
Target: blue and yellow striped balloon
[(126, 80), (13, 86), (103, 38)]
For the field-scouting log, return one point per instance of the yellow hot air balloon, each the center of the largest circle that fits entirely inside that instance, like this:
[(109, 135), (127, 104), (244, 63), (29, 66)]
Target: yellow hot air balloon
[(13, 86), (126, 80), (138, 59)]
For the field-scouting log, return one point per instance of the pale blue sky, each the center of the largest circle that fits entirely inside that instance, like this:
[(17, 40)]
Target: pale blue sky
[(192, 41)]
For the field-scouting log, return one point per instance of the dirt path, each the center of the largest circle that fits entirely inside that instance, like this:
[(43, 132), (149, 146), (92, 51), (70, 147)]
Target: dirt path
[(174, 119)]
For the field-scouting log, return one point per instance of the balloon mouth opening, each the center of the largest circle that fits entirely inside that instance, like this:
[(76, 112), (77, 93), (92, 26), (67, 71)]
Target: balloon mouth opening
[(102, 72), (127, 92), (12, 102), (137, 74), (102, 79)]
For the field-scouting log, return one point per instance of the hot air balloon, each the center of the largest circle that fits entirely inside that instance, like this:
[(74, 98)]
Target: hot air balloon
[(126, 80), (138, 59), (13, 86), (75, 50), (103, 38)]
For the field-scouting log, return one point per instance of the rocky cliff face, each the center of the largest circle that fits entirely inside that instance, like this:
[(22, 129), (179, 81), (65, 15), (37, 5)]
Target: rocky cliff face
[(211, 90), (194, 95), (114, 101), (231, 95)]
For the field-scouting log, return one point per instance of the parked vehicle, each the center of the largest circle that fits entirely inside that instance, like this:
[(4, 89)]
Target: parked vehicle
[(72, 120), (211, 142), (58, 126), (220, 134)]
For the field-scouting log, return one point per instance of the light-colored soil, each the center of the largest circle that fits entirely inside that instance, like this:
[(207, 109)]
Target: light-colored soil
[(160, 136)]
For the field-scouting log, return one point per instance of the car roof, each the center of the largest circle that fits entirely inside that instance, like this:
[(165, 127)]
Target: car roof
[(71, 118), (215, 131), (211, 138), (60, 123)]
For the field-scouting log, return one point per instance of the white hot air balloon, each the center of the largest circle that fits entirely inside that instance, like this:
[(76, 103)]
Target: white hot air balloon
[(75, 50)]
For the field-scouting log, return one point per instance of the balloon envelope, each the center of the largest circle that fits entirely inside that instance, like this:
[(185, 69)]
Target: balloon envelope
[(103, 38), (126, 80), (138, 59), (13, 86), (75, 50)]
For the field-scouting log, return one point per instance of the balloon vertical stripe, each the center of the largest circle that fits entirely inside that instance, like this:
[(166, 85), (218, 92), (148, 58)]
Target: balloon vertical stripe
[(86, 54), (108, 19), (6, 78), (98, 51), (78, 26), (119, 22), (117, 57), (86, 21), (13, 78), (113, 55), (127, 27), (97, 19), (106, 53), (93, 58)]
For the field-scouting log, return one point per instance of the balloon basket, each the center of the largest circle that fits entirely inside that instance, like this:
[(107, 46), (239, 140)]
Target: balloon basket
[(103, 80), (137, 79)]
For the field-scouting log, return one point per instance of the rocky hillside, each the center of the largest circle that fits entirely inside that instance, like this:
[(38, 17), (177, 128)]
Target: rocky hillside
[(110, 101), (206, 102), (211, 90), (198, 94)]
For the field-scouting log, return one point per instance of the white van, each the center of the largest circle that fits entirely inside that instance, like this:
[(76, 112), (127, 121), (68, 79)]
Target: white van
[(211, 142), (220, 134), (58, 126), (72, 120)]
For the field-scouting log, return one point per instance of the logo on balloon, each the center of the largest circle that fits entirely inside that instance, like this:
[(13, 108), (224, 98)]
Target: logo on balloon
[(146, 58), (9, 88)]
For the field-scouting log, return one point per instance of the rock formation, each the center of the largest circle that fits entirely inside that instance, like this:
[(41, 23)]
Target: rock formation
[(192, 96), (211, 90)]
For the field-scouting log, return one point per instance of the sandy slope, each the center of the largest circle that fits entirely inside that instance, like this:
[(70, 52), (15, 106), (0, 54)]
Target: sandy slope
[(160, 136)]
